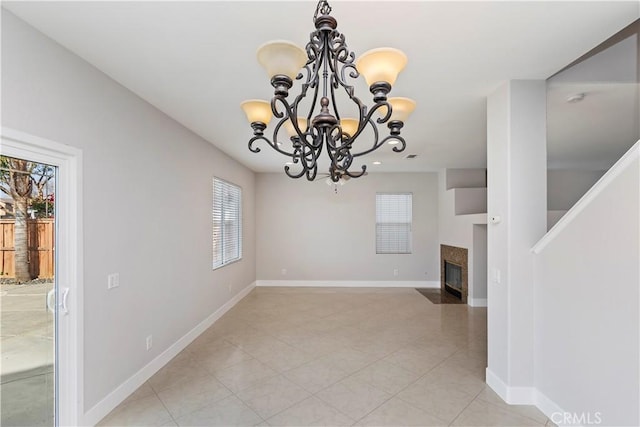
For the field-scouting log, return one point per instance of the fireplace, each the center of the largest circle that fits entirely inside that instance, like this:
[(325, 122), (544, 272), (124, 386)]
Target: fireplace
[(454, 271), (453, 278)]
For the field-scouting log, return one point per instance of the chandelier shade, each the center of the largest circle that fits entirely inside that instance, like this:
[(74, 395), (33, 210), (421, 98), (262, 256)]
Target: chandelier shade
[(349, 126), (323, 68), (291, 130), (257, 111), (401, 108), (381, 65), (281, 57)]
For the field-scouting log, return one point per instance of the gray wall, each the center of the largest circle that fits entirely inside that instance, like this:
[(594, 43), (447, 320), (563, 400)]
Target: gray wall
[(517, 172), (316, 234), (458, 230), (565, 187), (586, 306), (480, 261), (146, 204)]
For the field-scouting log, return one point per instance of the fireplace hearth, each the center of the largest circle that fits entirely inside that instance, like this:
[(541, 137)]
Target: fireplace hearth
[(454, 271)]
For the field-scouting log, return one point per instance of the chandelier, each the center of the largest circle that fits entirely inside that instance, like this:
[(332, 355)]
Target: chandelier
[(325, 67)]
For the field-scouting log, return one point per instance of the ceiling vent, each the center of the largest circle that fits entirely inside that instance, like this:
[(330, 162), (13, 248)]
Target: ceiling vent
[(412, 156)]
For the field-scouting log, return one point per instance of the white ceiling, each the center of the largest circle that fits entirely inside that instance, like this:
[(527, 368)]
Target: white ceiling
[(196, 61)]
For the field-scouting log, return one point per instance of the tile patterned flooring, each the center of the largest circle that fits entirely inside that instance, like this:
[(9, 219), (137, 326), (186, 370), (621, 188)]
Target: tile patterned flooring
[(329, 357)]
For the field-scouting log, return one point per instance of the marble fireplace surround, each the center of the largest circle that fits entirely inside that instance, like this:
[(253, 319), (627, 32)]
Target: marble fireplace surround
[(457, 256)]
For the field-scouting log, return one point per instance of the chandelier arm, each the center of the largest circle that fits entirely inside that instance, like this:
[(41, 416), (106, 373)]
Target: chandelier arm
[(271, 144), (376, 107), (303, 92), (313, 104), (312, 173), (377, 142), (341, 55), (315, 152), (316, 46), (276, 132), (312, 81), (315, 149), (377, 145), (308, 149), (308, 160), (356, 174), (396, 148), (340, 155), (367, 119), (274, 109), (333, 97), (296, 159), (290, 115), (287, 168)]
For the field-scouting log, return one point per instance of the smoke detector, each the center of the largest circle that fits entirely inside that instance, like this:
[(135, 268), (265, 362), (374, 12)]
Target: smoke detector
[(577, 97)]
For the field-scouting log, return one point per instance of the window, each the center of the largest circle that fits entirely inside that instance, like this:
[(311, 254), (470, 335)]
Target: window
[(227, 223), (393, 223)]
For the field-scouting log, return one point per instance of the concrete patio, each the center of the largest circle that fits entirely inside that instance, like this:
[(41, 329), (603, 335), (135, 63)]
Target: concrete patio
[(26, 343)]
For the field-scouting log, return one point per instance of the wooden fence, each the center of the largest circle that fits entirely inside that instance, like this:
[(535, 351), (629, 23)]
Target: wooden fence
[(41, 246)]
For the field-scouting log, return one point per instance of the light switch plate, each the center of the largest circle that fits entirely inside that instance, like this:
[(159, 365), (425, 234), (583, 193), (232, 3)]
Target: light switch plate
[(113, 280)]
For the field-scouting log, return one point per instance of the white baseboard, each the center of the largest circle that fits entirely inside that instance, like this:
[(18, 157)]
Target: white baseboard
[(496, 384), (548, 407), (477, 302), (113, 399), (511, 395), (352, 283), (523, 396)]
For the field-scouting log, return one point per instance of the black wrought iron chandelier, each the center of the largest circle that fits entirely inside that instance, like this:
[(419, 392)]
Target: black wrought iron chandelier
[(323, 67)]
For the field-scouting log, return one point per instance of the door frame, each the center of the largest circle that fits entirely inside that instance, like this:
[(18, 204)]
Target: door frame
[(69, 263)]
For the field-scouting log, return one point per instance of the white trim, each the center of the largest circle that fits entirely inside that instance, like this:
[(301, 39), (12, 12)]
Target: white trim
[(511, 395), (477, 302), (496, 384), (117, 396), (547, 406), (69, 262), (619, 167), (351, 283), (522, 395)]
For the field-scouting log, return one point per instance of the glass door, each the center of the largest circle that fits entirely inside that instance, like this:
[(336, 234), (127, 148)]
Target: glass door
[(28, 393)]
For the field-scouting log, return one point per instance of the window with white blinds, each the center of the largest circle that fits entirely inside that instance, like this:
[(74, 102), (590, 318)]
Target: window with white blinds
[(393, 223), (227, 223)]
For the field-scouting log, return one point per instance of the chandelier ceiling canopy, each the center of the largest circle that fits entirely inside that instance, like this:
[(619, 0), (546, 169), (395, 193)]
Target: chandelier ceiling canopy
[(325, 68)]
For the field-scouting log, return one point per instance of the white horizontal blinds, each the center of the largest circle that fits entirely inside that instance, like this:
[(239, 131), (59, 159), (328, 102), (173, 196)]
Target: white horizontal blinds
[(227, 222), (393, 223)]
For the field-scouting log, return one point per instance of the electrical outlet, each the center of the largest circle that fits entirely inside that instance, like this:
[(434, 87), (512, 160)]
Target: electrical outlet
[(149, 342), (283, 271), (395, 271), (113, 280)]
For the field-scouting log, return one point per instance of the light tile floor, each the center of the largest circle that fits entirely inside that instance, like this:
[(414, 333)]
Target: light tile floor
[(329, 357)]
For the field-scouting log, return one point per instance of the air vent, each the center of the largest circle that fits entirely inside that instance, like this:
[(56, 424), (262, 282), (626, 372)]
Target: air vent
[(412, 156)]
